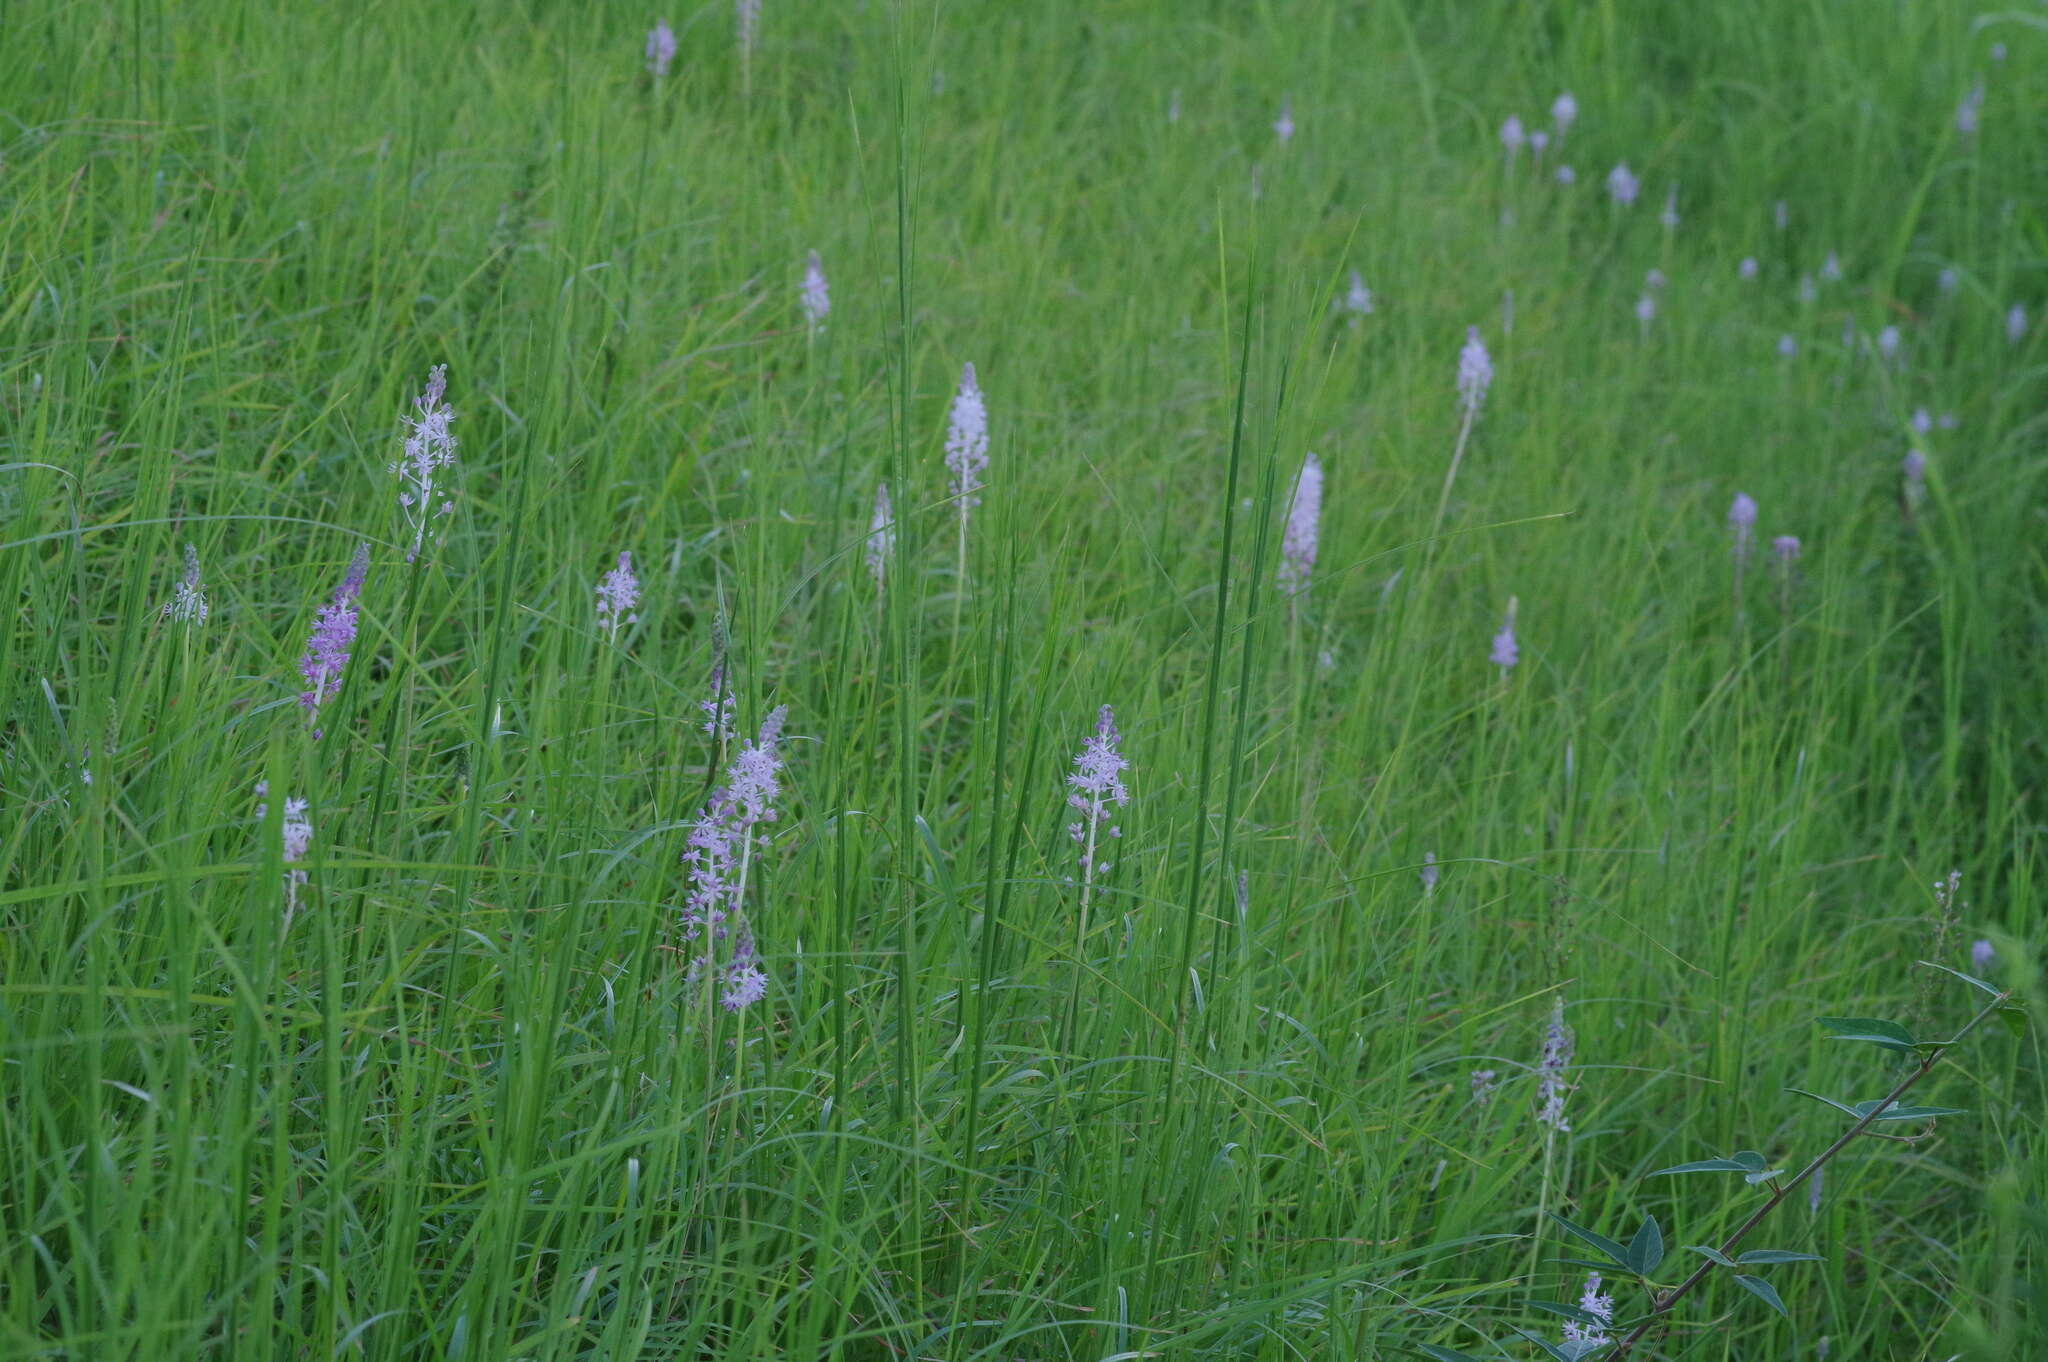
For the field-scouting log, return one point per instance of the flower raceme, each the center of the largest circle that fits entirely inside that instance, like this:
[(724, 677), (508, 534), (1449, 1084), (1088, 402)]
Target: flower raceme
[(428, 461), (1550, 1081), (1095, 783), (332, 636), (1475, 373), (718, 856), (967, 442), (618, 596), (187, 604), (815, 297), (881, 536), (1298, 542), (1506, 652), (661, 48)]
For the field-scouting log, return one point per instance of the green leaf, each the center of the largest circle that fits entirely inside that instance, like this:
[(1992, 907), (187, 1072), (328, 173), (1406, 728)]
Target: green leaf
[(2015, 1019), (1585, 1262), (1971, 980), (1745, 1161), (1887, 1034), (1598, 1241), (1715, 1254), (1897, 1113), (1776, 1256), (1431, 1350), (1570, 1312), (1863, 1109), (1763, 1291), (1704, 1166), (1842, 1107), (1646, 1250)]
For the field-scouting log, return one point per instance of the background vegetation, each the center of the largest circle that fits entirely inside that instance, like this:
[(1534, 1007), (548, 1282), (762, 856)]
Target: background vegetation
[(465, 1104)]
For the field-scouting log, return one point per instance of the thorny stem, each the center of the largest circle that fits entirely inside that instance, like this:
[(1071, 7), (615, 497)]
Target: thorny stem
[(1663, 1304)]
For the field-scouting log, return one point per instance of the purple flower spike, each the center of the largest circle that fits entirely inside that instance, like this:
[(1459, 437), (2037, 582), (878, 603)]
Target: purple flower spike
[(296, 837), (1475, 373), (1968, 110), (1551, 1087), (618, 593), (881, 536), (661, 48), (2016, 323), (1747, 269), (1512, 136), (1298, 543), (967, 442), (746, 25), (1669, 217), (1506, 652), (1095, 783), (1983, 956), (1742, 523), (333, 635), (1914, 468), (1785, 549), (815, 297), (1564, 111), (1358, 298), (187, 604), (718, 855), (1621, 184), (1283, 126), (429, 455)]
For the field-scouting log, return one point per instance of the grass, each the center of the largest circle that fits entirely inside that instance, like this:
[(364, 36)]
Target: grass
[(466, 1103)]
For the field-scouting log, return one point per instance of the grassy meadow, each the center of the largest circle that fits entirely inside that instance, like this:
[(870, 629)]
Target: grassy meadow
[(1399, 950)]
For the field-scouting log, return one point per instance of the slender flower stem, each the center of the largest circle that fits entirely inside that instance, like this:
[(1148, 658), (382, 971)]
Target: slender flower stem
[(1787, 1186), (1451, 475)]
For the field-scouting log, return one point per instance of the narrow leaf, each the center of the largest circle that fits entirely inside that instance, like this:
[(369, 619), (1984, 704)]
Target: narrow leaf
[(1898, 1113), (1874, 1030), (1776, 1256), (1842, 1107), (1704, 1166), (1971, 980), (1440, 1354), (1713, 1253), (1763, 1291), (1646, 1250), (1598, 1241)]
